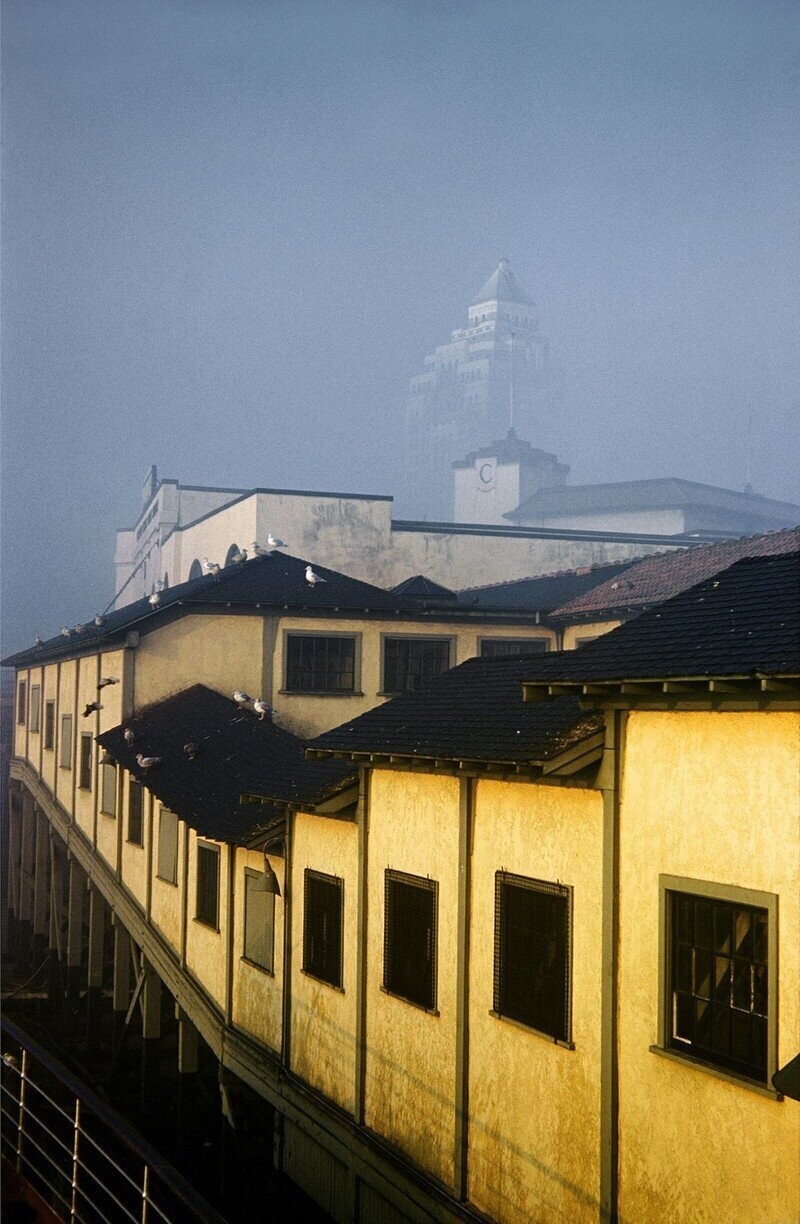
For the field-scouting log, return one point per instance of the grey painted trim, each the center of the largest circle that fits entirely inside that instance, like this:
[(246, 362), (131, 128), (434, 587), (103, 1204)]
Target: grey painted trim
[(718, 892), (609, 779), (466, 813), (553, 533), (362, 914)]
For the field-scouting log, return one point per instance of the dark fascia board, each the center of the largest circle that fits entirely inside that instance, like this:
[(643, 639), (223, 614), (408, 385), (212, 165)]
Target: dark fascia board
[(784, 687), (588, 749), (551, 533)]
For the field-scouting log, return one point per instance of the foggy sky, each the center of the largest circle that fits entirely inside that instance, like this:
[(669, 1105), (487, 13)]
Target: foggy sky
[(233, 229)]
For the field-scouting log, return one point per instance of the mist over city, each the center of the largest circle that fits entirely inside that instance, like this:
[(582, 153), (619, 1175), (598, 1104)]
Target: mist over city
[(233, 232)]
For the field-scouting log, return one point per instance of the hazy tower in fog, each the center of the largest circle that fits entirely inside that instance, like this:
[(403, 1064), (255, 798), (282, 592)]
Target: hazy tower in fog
[(468, 390)]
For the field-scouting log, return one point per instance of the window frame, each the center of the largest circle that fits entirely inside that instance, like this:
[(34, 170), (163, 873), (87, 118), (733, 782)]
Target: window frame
[(251, 876), (85, 761), (106, 771), (310, 875), (500, 1010), (414, 637), (205, 848), (35, 709), (731, 894), (160, 852), (22, 702), (135, 787), (543, 644), (65, 740), (355, 638), (389, 983), (49, 739)]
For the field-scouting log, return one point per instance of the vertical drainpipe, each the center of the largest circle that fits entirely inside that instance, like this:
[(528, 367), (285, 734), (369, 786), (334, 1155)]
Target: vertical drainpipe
[(286, 1017), (359, 1097), (461, 1137), (608, 780)]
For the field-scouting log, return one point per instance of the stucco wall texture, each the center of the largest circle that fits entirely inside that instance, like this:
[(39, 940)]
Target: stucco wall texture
[(714, 797)]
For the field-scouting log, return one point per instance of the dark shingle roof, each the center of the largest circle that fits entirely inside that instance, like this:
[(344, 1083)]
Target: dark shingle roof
[(655, 579), (473, 712), (419, 587), (274, 581), (539, 594), (650, 495), (501, 287), (743, 622), (238, 754)]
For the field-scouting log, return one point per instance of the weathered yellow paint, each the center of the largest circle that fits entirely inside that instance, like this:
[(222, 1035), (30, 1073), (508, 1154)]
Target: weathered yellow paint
[(21, 728), (714, 797), (34, 738), (534, 1106), (87, 692), (324, 1018), (411, 1054), (587, 629), (222, 652), (257, 994), (167, 899), (206, 948), (66, 705), (49, 755)]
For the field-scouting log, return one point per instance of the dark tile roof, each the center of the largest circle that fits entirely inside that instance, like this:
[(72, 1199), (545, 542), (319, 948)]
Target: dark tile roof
[(501, 286), (650, 495), (473, 712), (510, 449), (743, 622), (276, 581), (540, 594), (655, 579), (237, 754), (422, 588)]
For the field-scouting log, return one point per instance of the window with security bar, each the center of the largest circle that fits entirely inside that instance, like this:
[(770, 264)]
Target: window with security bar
[(532, 953), (323, 905), (207, 910), (718, 979), (409, 938), (135, 813), (409, 662), (501, 648), (320, 663)]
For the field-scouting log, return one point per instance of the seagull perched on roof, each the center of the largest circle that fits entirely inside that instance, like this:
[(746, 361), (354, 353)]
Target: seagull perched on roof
[(154, 600), (38, 641), (128, 736), (80, 628), (99, 620), (262, 708), (273, 542), (211, 567), (239, 556), (242, 699), (191, 750), (104, 683), (147, 762), (90, 707), (311, 578), (65, 632), (256, 549)]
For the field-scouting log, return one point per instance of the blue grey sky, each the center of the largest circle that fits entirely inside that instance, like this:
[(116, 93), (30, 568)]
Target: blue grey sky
[(233, 228)]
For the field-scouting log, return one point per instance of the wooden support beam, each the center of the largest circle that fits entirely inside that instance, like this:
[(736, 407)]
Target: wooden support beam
[(41, 877), (77, 888), (97, 930), (187, 1043), (122, 969), (151, 1003)]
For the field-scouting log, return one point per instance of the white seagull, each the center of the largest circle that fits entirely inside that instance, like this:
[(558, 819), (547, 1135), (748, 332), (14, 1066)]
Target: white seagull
[(262, 708), (256, 549), (99, 620), (147, 762), (273, 542), (210, 567), (311, 578), (154, 600), (128, 736), (242, 699), (65, 631), (38, 641)]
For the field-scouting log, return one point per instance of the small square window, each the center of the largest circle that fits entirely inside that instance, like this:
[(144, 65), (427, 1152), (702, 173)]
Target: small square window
[(259, 923), (22, 695), (409, 938), (65, 742), (135, 808), (85, 765), (108, 790), (34, 713), (167, 866), (207, 910), (319, 663), (49, 724), (322, 926), (532, 953)]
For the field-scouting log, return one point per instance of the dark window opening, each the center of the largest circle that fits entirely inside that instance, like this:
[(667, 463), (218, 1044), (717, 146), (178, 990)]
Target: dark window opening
[(409, 938), (500, 648), (408, 663), (135, 810), (318, 664), (49, 724), (85, 768), (208, 885), (22, 692), (532, 953), (322, 926), (717, 982)]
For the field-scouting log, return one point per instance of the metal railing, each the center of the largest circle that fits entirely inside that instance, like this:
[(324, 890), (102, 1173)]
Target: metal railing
[(77, 1153)]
